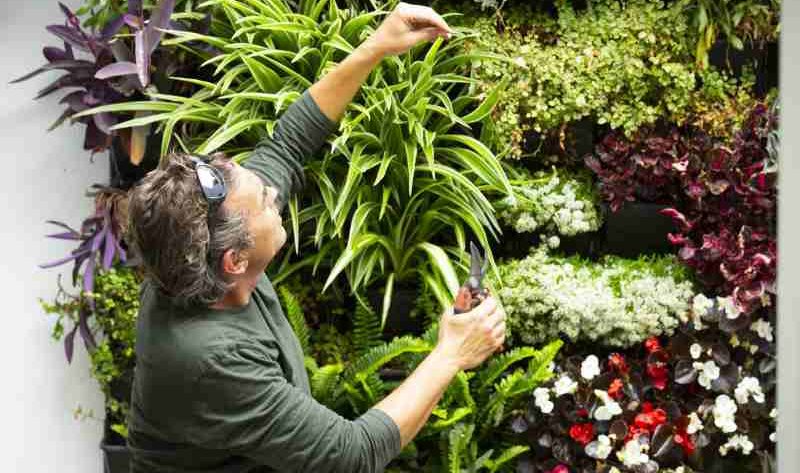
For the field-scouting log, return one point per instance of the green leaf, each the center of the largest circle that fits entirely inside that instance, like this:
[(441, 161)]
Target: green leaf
[(266, 78), (387, 299), (441, 262), (225, 134), (486, 107)]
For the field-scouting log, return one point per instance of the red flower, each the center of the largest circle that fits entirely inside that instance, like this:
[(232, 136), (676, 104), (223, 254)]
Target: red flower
[(652, 345), (559, 469), (617, 362), (615, 390), (650, 419), (658, 375), (684, 440), (582, 433)]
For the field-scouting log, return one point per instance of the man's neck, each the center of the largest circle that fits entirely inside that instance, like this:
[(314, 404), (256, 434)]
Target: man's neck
[(236, 298)]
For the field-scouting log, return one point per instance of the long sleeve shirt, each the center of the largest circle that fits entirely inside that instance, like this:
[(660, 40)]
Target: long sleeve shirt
[(226, 390)]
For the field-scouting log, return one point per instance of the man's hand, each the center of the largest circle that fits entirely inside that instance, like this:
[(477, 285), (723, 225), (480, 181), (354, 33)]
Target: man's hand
[(468, 339), (405, 27)]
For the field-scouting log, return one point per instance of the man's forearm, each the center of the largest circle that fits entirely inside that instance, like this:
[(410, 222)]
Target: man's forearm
[(412, 402), (337, 88)]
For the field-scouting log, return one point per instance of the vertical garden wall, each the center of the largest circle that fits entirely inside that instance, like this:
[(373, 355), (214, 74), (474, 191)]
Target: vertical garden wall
[(616, 159)]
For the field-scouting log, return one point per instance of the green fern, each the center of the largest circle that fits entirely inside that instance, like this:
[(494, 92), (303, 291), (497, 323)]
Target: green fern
[(366, 330), (294, 313), (375, 358), (324, 382), (458, 440), (506, 456), (539, 366), (500, 364)]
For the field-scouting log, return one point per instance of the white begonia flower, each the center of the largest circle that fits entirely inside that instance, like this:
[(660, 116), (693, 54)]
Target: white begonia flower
[(709, 371), (724, 412), (746, 388), (610, 407), (773, 437), (601, 448), (632, 454), (695, 350), (763, 328), (727, 305), (564, 385), (695, 424), (773, 414), (590, 367), (542, 400), (737, 442), (701, 304)]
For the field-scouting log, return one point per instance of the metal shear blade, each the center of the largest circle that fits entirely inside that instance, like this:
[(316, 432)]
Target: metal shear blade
[(477, 268)]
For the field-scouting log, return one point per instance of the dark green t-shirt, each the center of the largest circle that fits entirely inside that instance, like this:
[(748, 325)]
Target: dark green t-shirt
[(227, 391)]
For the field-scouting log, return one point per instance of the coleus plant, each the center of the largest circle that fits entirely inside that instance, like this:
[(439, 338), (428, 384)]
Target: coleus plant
[(109, 74), (723, 198)]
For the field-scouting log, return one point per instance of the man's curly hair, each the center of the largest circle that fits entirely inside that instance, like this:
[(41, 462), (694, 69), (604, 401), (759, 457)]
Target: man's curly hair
[(170, 228)]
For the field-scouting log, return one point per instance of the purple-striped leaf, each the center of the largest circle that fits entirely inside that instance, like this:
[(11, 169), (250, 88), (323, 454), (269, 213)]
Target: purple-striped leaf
[(67, 64), (83, 324), (159, 20), (104, 121), (94, 140), (69, 35), (123, 257), (68, 80), (69, 51), (61, 224), (112, 28), (75, 100), (98, 238), (108, 250), (135, 7), (116, 69), (52, 53), (121, 52), (63, 260), (69, 344), (73, 20), (64, 236), (142, 58), (67, 113), (88, 275)]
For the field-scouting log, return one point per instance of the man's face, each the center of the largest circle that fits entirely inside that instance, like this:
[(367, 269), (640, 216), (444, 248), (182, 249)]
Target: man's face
[(257, 202)]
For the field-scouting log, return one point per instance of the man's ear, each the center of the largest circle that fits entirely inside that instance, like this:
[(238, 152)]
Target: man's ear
[(234, 262)]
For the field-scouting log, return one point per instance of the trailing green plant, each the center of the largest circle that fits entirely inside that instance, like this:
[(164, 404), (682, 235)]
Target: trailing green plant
[(736, 20), (615, 302), (403, 181), (116, 305), (552, 203), (621, 66)]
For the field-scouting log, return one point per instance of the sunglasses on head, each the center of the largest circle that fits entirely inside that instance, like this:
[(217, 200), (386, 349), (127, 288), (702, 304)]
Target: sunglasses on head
[(210, 179)]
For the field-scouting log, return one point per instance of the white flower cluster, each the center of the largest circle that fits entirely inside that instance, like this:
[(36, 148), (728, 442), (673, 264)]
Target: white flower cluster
[(708, 372), (737, 442), (608, 409), (748, 387), (552, 204), (542, 400), (724, 412), (618, 302), (633, 453)]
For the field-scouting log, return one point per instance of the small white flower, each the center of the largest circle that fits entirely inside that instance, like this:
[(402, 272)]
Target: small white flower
[(724, 413), (709, 371), (553, 242), (601, 448), (542, 400), (632, 454), (520, 61), (564, 385), (696, 350), (746, 388), (701, 304), (773, 413), (773, 438), (763, 328), (590, 367), (737, 442), (610, 407), (695, 424), (729, 307)]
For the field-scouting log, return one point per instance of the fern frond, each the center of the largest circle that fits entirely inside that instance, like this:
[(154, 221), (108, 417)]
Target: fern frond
[(294, 313), (458, 440), (506, 456), (501, 363), (366, 330), (324, 383), (375, 358), (539, 366)]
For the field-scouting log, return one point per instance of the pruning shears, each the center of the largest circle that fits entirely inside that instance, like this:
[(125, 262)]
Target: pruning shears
[(472, 292)]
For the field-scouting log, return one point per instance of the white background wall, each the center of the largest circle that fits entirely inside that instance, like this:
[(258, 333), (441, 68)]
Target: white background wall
[(44, 176)]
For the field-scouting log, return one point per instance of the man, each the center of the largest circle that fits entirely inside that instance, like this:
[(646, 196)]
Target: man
[(220, 383)]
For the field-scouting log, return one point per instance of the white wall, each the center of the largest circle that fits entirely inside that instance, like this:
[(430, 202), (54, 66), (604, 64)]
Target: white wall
[(44, 176)]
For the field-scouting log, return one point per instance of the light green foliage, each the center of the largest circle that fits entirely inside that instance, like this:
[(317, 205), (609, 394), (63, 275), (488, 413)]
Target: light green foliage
[(116, 299), (626, 67), (557, 202), (294, 313), (366, 329), (615, 302), (401, 185)]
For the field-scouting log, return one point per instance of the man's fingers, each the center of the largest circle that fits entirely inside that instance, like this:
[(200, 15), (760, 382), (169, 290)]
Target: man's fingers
[(499, 331), (497, 317), (419, 16), (486, 307)]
